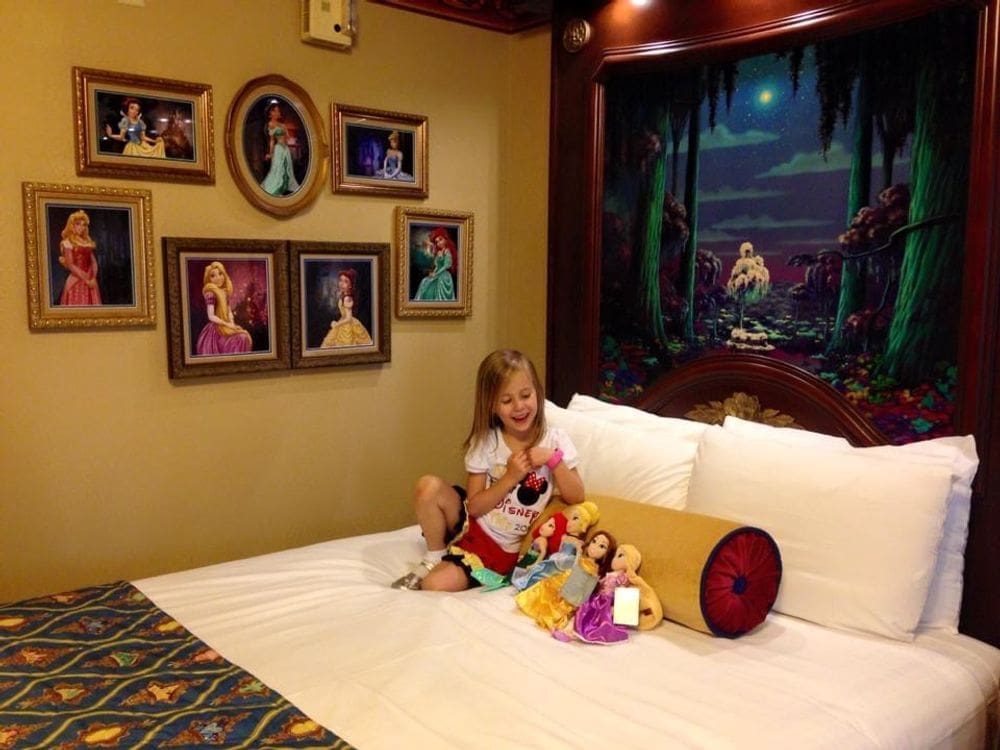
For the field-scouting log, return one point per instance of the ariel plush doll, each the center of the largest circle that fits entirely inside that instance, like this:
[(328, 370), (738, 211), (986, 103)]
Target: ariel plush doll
[(562, 553), (544, 602), (546, 537)]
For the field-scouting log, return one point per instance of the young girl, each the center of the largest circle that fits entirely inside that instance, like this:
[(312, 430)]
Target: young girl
[(514, 462)]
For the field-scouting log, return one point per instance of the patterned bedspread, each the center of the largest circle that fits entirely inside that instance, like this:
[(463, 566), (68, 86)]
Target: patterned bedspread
[(104, 667)]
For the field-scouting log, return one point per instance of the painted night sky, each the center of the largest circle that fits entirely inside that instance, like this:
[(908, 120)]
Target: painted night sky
[(763, 176)]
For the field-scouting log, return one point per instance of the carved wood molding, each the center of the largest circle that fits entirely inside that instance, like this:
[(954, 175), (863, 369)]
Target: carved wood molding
[(743, 406)]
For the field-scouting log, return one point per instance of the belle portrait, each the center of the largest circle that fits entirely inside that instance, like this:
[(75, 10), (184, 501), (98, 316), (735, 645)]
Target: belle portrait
[(347, 330)]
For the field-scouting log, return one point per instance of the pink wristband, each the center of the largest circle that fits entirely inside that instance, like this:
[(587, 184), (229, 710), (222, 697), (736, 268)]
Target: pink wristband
[(555, 459)]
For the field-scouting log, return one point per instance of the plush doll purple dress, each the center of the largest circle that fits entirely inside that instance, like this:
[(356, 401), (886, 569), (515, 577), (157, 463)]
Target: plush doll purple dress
[(593, 621)]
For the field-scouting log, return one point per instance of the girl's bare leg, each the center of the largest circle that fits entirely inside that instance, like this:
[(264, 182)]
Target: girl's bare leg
[(438, 507)]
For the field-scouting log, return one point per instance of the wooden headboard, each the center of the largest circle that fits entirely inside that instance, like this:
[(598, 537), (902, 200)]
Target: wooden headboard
[(594, 41), (760, 389)]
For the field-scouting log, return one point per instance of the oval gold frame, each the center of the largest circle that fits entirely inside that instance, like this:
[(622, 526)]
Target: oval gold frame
[(315, 177)]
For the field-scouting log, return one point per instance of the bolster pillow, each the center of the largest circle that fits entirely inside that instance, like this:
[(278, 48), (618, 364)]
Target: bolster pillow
[(717, 576)]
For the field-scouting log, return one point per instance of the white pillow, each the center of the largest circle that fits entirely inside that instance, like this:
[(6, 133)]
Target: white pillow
[(625, 462), (944, 597), (858, 532), (629, 416)]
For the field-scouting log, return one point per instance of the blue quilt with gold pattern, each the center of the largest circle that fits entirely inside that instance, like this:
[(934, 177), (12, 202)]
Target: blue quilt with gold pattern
[(105, 667)]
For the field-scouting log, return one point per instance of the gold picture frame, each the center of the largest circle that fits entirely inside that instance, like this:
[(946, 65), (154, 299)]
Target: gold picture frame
[(339, 303), (139, 127), (378, 152), (89, 256), (433, 263), (276, 145), (236, 322)]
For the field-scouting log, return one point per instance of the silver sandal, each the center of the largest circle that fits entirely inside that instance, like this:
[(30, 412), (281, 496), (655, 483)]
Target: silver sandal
[(412, 580)]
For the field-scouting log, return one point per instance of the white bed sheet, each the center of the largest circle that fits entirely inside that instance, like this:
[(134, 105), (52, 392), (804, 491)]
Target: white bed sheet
[(391, 669)]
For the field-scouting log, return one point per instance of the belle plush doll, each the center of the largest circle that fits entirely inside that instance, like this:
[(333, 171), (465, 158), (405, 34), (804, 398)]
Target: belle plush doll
[(543, 601)]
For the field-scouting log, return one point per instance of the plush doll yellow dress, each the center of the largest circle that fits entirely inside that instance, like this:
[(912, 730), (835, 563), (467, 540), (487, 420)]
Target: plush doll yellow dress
[(544, 602)]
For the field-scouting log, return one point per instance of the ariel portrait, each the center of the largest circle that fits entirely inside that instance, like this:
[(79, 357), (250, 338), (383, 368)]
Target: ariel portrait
[(439, 283)]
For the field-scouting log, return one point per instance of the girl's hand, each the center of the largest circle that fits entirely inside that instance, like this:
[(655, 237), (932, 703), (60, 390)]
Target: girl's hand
[(539, 455), (518, 466)]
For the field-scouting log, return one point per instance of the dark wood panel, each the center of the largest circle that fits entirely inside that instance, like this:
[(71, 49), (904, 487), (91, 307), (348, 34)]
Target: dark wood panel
[(625, 39)]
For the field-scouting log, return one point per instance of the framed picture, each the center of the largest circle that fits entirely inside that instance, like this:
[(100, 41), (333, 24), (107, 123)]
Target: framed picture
[(433, 263), (143, 128), (340, 303), (89, 256), (379, 153), (227, 305), (276, 146)]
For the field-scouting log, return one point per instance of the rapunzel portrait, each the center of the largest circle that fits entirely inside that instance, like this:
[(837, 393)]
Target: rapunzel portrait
[(221, 334)]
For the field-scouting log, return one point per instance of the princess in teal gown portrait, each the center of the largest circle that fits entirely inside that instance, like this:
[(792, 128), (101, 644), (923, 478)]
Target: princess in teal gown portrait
[(280, 179), (439, 284)]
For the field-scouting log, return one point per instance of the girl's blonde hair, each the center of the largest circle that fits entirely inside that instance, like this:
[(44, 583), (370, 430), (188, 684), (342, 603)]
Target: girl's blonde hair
[(494, 371)]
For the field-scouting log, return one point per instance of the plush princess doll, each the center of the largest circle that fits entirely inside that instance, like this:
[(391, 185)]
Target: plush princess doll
[(544, 603), (547, 537), (594, 621), (561, 556)]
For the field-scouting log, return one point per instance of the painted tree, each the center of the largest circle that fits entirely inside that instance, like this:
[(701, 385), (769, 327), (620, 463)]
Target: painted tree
[(869, 75), (925, 323), (703, 83), (656, 109), (654, 191), (749, 281)]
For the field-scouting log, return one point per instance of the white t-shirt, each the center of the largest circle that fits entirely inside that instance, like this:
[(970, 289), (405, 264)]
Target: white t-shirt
[(509, 521)]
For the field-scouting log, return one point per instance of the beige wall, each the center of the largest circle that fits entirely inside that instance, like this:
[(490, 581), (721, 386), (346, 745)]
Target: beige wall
[(107, 468)]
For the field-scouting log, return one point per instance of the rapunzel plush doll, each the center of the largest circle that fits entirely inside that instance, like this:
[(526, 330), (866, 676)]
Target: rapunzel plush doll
[(594, 619)]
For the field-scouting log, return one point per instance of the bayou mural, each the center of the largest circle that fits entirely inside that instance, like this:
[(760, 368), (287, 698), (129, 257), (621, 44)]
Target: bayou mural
[(808, 205)]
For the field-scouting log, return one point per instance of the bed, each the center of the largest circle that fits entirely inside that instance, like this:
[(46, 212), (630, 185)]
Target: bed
[(344, 661)]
